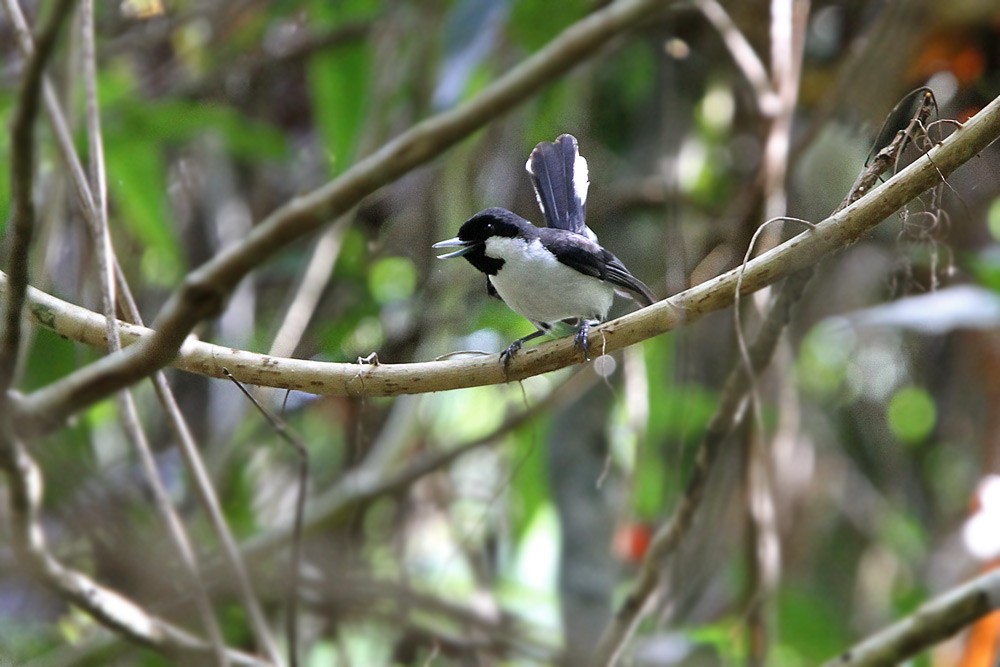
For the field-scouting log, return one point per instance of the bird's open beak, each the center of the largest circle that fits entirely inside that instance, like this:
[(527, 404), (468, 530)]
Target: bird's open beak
[(464, 247)]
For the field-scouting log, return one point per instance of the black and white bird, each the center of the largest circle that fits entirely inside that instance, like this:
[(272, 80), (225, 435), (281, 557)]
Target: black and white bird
[(551, 275)]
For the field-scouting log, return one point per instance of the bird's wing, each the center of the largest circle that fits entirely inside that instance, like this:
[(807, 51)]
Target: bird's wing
[(620, 276), (575, 251), (560, 177), (589, 258)]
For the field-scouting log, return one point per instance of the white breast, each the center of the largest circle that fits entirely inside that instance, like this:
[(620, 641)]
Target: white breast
[(536, 285)]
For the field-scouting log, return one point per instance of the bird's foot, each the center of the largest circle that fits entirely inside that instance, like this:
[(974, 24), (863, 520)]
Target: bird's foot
[(507, 354)]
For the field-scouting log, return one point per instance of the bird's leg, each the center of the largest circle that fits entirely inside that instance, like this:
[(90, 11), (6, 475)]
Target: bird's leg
[(506, 355), (582, 339)]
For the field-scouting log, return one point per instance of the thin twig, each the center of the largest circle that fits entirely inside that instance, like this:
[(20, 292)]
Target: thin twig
[(22, 222), (743, 54), (111, 609), (741, 340), (888, 156), (63, 135), (295, 567), (129, 412), (98, 175), (207, 496), (373, 479), (307, 296), (726, 416)]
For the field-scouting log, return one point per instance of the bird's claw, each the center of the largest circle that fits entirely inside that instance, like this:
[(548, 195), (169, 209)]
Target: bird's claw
[(582, 340), (507, 354)]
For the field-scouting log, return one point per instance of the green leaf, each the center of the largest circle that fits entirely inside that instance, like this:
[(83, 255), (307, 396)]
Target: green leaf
[(824, 359), (720, 636), (676, 411), (137, 183), (986, 267), (810, 627), (533, 24), (339, 83), (128, 117), (529, 473), (353, 259), (905, 535), (179, 120), (651, 484), (50, 356)]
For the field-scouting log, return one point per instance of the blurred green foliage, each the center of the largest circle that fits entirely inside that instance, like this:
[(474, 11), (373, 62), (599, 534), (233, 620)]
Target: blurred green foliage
[(875, 449), (911, 414), (339, 84)]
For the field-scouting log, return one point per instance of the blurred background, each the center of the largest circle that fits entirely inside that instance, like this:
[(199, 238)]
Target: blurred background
[(864, 488)]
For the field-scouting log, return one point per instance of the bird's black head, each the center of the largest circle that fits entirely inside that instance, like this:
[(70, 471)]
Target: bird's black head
[(493, 222), (472, 235)]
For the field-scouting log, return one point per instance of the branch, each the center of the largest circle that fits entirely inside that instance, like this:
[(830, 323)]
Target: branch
[(205, 290), (293, 440), (839, 230), (933, 622)]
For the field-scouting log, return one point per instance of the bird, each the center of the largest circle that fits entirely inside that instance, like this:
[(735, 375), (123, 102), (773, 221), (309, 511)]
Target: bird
[(555, 275)]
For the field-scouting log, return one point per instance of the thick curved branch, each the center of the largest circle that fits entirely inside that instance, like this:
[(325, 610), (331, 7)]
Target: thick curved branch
[(204, 290), (837, 231)]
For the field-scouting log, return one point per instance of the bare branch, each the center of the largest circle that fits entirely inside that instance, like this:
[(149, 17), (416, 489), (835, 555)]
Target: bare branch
[(374, 478), (309, 291), (110, 608), (95, 216), (933, 622)]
